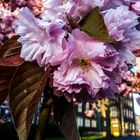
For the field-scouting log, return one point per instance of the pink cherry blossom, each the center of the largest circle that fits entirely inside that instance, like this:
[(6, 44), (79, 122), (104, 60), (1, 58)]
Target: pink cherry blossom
[(84, 65), (121, 23), (136, 7), (76, 8), (41, 40)]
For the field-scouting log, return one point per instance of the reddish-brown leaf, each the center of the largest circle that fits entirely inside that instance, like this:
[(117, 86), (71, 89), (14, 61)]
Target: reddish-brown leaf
[(6, 74), (12, 61), (65, 116), (137, 53), (25, 92), (7, 68), (10, 48), (10, 53)]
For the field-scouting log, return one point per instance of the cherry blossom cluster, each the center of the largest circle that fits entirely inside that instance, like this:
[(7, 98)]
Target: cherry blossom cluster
[(84, 66), (9, 11)]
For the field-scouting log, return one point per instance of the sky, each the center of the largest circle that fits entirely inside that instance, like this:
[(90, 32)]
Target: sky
[(136, 106)]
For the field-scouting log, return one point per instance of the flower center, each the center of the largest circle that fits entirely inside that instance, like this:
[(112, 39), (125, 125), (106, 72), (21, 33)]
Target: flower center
[(84, 63)]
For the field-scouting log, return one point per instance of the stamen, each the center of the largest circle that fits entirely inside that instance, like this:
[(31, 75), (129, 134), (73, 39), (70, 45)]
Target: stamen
[(84, 63)]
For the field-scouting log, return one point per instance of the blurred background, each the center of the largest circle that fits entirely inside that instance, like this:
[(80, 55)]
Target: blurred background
[(115, 118)]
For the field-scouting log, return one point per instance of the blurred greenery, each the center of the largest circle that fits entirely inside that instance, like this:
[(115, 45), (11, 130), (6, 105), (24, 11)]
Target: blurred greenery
[(56, 139), (83, 138), (93, 138)]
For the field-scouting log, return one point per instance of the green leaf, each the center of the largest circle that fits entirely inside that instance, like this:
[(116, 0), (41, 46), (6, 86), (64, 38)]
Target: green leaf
[(93, 24), (25, 91)]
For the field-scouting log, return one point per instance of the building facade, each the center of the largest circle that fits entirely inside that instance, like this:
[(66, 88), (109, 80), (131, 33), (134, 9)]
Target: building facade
[(113, 116)]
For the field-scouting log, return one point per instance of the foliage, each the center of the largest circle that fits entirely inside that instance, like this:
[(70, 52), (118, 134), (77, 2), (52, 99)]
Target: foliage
[(93, 24), (94, 138), (96, 29), (23, 82)]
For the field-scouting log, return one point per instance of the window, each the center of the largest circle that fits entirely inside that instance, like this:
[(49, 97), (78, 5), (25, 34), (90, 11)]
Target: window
[(94, 123), (131, 115), (99, 103), (87, 123), (104, 123), (133, 126), (80, 107), (130, 104), (113, 111), (126, 126), (127, 113), (124, 112), (87, 106), (80, 121)]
